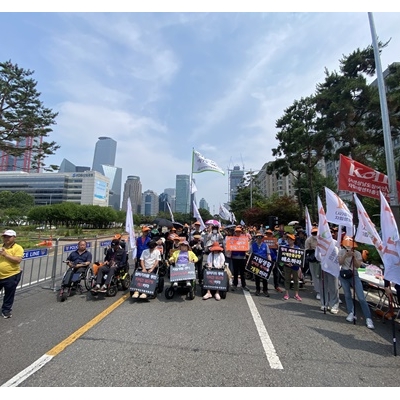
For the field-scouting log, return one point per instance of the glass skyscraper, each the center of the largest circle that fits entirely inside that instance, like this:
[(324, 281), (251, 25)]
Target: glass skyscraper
[(182, 199), (104, 153)]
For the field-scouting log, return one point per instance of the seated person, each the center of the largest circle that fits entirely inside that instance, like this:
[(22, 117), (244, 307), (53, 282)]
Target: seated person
[(183, 256), (78, 261), (216, 259), (149, 261), (114, 259)]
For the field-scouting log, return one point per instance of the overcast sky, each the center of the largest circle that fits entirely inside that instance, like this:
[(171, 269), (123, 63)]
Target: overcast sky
[(161, 84)]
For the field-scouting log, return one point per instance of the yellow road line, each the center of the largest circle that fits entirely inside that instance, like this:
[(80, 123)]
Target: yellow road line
[(77, 334)]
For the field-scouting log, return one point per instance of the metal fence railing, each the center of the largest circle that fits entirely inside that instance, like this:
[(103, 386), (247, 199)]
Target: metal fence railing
[(45, 265)]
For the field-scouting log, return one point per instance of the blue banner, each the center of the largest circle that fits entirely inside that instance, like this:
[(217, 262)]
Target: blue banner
[(35, 253), (105, 244)]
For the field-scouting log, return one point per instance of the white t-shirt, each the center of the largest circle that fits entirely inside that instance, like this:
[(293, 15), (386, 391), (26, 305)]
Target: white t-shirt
[(150, 257), (216, 260)]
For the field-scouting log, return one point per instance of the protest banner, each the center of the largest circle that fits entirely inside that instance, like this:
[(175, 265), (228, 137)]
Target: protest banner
[(259, 266), (290, 255), (144, 282), (182, 272), (237, 243), (215, 279)]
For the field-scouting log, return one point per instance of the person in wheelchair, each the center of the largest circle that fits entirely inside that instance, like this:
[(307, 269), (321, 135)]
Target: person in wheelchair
[(183, 256), (216, 259), (77, 261), (115, 259), (149, 261)]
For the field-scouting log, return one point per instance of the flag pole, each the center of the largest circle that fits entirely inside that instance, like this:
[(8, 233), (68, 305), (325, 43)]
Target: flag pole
[(191, 183)]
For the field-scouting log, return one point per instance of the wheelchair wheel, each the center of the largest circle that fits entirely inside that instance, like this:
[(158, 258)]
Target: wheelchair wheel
[(126, 282), (169, 292), (88, 278), (112, 290), (191, 294)]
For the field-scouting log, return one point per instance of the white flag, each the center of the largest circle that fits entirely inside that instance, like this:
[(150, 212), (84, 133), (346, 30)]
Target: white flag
[(224, 213), (233, 218), (390, 240), (129, 228), (326, 251), (170, 212), (308, 223), (337, 212), (201, 164), (366, 231), (193, 188), (197, 215)]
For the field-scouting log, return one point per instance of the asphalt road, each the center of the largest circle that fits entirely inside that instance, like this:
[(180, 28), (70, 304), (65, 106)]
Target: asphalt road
[(242, 341)]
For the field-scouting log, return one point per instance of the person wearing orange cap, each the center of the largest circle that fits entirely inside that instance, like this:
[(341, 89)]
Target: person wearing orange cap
[(216, 259), (183, 256), (239, 263), (315, 266), (142, 242), (350, 260)]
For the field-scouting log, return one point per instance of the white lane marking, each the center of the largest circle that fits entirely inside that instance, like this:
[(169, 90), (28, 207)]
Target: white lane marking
[(269, 348), (19, 378)]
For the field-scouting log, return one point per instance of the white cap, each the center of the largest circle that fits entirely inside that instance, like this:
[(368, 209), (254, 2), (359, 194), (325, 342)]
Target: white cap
[(9, 232)]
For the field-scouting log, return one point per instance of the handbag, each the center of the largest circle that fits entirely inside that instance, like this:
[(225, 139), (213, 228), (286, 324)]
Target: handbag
[(346, 273)]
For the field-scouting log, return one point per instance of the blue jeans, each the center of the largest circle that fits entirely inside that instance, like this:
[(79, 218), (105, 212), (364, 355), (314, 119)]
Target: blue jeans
[(10, 286), (346, 285)]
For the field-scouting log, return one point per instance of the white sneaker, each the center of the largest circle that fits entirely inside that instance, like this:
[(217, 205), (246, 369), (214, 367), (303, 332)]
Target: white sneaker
[(188, 284), (175, 284), (350, 317), (334, 309), (322, 308), (318, 296), (370, 324), (340, 301)]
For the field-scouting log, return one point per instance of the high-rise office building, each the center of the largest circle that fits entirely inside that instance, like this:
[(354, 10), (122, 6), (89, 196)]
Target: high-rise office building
[(235, 179), (133, 191), (103, 162), (171, 195), (203, 204), (24, 161), (104, 153), (68, 166), (182, 199), (149, 203)]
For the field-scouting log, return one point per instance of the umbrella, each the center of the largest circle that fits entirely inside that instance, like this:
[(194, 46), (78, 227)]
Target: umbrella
[(163, 222), (213, 222), (230, 226), (177, 225), (291, 223)]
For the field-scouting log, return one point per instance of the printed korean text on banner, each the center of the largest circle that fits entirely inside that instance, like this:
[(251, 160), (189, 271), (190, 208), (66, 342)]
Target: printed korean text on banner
[(259, 266), (237, 243), (366, 231), (358, 178), (290, 255), (391, 243), (202, 164), (197, 215), (215, 279), (337, 212), (144, 282), (326, 251)]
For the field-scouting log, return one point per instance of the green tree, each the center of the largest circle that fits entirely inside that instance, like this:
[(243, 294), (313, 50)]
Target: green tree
[(23, 117)]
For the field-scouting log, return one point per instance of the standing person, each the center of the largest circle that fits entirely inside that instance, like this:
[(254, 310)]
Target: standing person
[(142, 242), (291, 271), (197, 246), (78, 261), (269, 237), (11, 255), (213, 235), (260, 248), (216, 259), (239, 263), (115, 258), (315, 266), (351, 259), (149, 261)]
